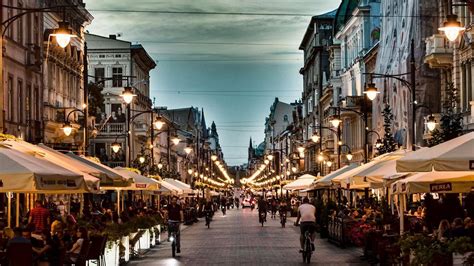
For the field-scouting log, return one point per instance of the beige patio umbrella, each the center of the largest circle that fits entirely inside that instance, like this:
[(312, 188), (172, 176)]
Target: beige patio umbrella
[(167, 188), (435, 182), (185, 188), (303, 182), (137, 181), (325, 182), (453, 155), (91, 175)]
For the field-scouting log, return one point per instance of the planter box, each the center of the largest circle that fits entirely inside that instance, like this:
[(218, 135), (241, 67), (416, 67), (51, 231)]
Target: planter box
[(144, 242), (137, 245), (158, 235), (126, 243), (112, 253)]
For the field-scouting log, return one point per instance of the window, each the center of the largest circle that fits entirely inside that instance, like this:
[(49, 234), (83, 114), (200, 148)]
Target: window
[(36, 105), (99, 74), (118, 56), (10, 98), (285, 118), (117, 77), (20, 98), (10, 15), (28, 110), (102, 56), (36, 31)]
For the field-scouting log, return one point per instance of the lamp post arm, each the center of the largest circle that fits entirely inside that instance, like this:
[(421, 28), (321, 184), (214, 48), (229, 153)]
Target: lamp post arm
[(73, 111), (397, 77), (324, 127), (419, 106), (373, 131)]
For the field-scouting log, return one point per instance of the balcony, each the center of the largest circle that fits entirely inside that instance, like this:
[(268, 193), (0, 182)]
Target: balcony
[(438, 53), (112, 129)]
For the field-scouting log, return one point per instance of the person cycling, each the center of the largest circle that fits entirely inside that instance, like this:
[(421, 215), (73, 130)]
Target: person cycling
[(283, 207), (208, 209), (274, 207), (307, 217), (175, 216), (262, 208)]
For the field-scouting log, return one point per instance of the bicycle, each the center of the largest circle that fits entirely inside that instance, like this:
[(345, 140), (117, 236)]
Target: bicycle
[(173, 228), (283, 219), (262, 217), (208, 219)]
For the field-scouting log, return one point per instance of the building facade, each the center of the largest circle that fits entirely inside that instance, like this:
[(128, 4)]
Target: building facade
[(115, 64)]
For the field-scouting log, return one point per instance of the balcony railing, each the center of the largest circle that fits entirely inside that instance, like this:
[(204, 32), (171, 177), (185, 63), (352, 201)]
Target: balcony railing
[(113, 129), (438, 53)]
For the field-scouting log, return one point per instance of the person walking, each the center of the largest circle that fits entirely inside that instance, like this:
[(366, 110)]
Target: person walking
[(39, 217)]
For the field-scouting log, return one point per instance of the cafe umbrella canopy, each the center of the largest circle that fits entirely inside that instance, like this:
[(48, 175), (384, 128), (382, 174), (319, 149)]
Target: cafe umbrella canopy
[(453, 155), (303, 182), (137, 181), (90, 176)]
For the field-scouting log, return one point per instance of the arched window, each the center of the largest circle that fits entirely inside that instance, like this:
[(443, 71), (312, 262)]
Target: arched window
[(285, 118)]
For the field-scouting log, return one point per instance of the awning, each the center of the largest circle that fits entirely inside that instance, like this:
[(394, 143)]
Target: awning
[(137, 181), (113, 177), (186, 189), (90, 175), (370, 173), (435, 182), (326, 181), (166, 187), (303, 182), (21, 172), (453, 155)]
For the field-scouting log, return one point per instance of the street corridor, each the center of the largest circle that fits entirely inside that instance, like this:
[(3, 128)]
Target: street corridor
[(238, 239)]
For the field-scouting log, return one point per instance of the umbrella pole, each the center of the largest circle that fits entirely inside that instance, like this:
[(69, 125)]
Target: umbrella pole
[(9, 208), (118, 201), (81, 204), (401, 213), (17, 210)]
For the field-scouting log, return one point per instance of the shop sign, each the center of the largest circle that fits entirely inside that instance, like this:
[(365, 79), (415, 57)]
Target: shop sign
[(441, 187), (140, 185)]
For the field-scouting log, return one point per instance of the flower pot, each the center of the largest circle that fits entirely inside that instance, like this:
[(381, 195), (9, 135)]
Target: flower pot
[(137, 245), (126, 243), (112, 253), (158, 234), (144, 242)]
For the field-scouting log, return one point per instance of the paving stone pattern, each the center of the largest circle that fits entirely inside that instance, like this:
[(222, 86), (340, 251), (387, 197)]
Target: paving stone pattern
[(238, 239)]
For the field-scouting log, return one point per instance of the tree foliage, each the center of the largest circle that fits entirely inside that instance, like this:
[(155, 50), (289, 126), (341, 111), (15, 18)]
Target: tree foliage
[(451, 119), (389, 143), (96, 99)]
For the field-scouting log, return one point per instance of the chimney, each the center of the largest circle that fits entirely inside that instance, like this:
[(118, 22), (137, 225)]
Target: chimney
[(113, 36)]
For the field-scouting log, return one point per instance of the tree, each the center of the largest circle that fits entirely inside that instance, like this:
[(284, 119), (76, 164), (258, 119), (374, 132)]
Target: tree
[(451, 120), (389, 143), (96, 99)]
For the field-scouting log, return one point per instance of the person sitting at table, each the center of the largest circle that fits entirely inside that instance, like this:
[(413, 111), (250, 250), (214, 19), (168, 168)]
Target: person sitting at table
[(50, 252), (26, 233), (443, 230), (18, 238), (73, 253), (457, 229)]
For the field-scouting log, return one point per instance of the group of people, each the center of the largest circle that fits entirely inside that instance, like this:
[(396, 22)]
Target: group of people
[(51, 241)]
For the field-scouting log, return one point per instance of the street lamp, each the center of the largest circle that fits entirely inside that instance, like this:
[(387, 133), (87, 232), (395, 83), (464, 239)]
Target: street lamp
[(431, 123), (115, 147), (141, 159), (188, 150), (158, 123), (67, 129), (213, 157), (190, 171), (371, 91), (452, 27), (270, 157), (160, 165), (128, 95), (63, 34), (315, 137), (349, 156), (301, 149), (335, 121), (329, 163), (175, 140), (378, 143)]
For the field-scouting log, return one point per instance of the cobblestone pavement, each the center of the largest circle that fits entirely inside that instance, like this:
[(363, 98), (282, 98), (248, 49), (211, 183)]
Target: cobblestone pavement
[(238, 239)]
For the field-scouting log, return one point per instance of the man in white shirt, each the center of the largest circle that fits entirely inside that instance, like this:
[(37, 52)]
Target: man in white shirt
[(307, 217)]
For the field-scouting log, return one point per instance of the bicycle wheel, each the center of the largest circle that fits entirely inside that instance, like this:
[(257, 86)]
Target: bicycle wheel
[(173, 248), (309, 250)]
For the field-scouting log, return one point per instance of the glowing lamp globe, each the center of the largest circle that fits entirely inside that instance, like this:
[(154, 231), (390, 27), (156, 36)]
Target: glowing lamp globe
[(116, 147), (335, 122), (315, 138), (141, 159), (67, 129), (175, 140), (158, 123), (63, 34), (431, 123), (371, 91), (452, 27), (349, 156)]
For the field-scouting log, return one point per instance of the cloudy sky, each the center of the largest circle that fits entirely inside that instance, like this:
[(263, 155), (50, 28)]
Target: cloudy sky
[(232, 65)]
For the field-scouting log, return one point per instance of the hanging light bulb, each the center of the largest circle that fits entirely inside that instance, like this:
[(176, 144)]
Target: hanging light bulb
[(315, 138), (116, 147), (301, 149), (159, 123), (320, 157), (335, 122), (349, 156), (294, 169), (127, 95), (141, 159), (188, 150), (213, 157), (67, 129), (452, 27), (175, 140), (63, 34), (431, 123), (160, 166), (371, 91), (378, 143), (270, 157), (329, 163), (190, 171)]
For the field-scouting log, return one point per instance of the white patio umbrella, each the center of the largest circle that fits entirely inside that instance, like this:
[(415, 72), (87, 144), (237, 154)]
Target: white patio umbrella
[(303, 182), (435, 182), (453, 155), (138, 182)]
